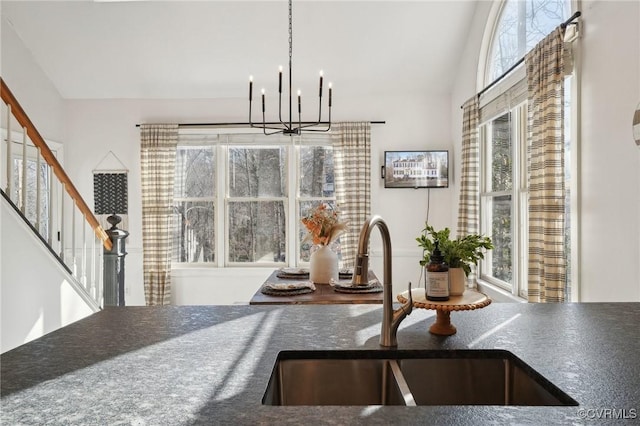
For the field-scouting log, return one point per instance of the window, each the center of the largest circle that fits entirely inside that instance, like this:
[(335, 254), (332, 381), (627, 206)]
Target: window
[(238, 198), (503, 140), (38, 208), (521, 25), (503, 198), (315, 168), (256, 204), (194, 207)]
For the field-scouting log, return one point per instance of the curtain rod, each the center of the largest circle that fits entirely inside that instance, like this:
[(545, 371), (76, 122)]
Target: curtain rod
[(521, 60), (271, 123)]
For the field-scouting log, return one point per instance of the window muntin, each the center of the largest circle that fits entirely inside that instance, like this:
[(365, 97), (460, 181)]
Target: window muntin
[(264, 186), (500, 186), (257, 196)]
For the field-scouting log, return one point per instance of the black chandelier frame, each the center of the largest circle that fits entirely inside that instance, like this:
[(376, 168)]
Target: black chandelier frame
[(289, 127)]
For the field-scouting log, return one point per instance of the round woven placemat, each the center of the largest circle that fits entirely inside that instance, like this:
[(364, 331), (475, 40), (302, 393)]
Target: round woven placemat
[(287, 276), (377, 288), (295, 292), (293, 273)]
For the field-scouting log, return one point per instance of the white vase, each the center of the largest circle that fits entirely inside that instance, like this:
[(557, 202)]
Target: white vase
[(323, 265), (457, 281)]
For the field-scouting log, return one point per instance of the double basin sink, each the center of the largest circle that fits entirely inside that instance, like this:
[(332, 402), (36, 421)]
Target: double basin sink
[(408, 378)]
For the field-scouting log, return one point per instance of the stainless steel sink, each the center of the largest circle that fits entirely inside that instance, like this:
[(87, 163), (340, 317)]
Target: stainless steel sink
[(407, 377), (333, 382)]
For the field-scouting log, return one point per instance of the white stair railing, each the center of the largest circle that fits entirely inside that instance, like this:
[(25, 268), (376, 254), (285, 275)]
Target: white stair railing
[(41, 191)]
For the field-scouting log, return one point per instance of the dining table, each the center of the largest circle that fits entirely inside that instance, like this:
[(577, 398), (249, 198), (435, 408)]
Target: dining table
[(337, 293)]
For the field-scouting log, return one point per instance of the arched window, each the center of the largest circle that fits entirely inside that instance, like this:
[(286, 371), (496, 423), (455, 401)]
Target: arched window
[(518, 25), (521, 25)]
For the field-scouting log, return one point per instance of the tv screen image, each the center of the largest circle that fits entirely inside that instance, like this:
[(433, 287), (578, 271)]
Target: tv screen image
[(416, 169)]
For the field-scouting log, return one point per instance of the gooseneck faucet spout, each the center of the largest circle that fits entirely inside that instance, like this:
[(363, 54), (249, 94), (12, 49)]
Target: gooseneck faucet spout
[(390, 319)]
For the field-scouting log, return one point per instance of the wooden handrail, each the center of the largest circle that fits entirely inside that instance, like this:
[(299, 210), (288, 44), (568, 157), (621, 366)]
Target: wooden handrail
[(22, 118)]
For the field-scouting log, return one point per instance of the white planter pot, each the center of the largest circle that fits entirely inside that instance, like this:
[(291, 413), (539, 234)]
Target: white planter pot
[(323, 265), (457, 281)]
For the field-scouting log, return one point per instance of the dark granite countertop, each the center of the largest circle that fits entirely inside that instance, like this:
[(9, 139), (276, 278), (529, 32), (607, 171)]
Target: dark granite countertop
[(211, 364)]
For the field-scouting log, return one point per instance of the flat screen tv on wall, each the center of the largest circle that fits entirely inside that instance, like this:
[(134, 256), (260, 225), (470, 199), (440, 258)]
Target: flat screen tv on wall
[(416, 169)]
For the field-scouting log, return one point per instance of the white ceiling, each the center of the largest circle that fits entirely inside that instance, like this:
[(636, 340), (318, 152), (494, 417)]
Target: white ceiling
[(207, 49)]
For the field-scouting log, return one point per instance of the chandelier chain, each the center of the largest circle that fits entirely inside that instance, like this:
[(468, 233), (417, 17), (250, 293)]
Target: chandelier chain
[(290, 32)]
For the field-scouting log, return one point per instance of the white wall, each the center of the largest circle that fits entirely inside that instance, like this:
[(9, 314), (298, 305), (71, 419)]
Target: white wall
[(610, 160), (33, 300), (33, 89), (609, 189), (412, 122), (37, 295)]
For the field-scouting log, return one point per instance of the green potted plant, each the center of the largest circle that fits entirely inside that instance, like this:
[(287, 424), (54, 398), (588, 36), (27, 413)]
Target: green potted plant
[(459, 253)]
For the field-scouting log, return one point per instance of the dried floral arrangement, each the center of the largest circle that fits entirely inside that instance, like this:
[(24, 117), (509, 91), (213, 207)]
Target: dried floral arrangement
[(323, 225)]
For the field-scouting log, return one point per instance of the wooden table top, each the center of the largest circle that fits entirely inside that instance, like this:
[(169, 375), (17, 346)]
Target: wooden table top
[(324, 294)]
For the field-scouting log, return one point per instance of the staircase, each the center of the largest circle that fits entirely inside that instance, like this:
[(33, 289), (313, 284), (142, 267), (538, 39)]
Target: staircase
[(52, 244)]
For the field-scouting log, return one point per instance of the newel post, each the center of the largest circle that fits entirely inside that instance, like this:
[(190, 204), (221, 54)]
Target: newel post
[(114, 264)]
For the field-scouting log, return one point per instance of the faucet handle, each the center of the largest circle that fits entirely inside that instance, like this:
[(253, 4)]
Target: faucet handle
[(409, 303), (361, 270)]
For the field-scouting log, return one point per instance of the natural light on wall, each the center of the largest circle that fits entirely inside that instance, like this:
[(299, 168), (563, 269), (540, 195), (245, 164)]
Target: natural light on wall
[(37, 330), (71, 309)]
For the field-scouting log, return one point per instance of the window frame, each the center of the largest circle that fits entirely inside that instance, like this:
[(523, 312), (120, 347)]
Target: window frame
[(209, 199), (519, 199), (52, 197), (222, 141), (509, 83), (299, 199), (228, 199)]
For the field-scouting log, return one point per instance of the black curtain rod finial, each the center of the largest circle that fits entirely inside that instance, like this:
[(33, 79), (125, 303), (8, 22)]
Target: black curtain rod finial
[(571, 19)]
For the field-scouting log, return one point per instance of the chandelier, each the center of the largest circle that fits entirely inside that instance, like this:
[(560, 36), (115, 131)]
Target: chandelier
[(289, 126)]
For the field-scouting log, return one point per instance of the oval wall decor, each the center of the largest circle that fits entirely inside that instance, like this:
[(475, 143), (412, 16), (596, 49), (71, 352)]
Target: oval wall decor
[(636, 125)]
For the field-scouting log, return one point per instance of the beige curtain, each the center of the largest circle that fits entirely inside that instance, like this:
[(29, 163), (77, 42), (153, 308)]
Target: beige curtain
[(547, 257), (468, 206), (158, 158), (352, 170)]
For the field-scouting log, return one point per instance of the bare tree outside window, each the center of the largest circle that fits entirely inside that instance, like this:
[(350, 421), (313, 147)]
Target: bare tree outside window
[(257, 190), (193, 215), (501, 182), (31, 191), (250, 195), (523, 23)]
